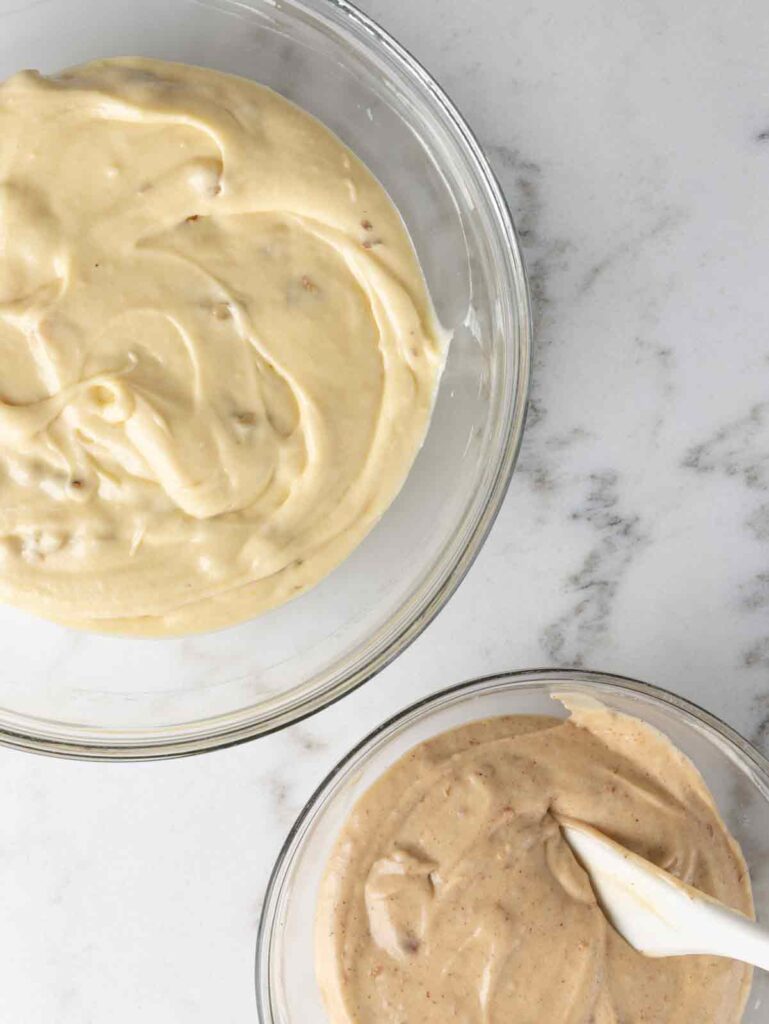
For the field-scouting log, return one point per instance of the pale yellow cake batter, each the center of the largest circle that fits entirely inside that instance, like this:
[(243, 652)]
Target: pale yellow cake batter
[(452, 896), (217, 354)]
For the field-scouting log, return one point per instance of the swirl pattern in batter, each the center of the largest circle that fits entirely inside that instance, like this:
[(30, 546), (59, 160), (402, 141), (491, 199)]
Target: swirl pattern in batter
[(451, 894), (218, 356)]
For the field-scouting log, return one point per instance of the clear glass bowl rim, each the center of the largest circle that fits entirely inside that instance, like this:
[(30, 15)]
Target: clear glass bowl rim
[(89, 743), (532, 679)]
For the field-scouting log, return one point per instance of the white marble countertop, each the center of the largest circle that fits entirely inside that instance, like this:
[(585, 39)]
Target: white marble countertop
[(633, 142)]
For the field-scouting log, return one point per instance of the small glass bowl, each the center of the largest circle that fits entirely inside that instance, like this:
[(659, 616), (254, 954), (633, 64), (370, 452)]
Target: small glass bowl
[(69, 693), (738, 777)]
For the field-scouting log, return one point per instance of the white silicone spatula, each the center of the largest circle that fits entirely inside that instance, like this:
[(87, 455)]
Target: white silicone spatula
[(657, 914)]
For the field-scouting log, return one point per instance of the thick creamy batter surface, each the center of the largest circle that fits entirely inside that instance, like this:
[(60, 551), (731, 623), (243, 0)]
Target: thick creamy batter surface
[(451, 894), (217, 354)]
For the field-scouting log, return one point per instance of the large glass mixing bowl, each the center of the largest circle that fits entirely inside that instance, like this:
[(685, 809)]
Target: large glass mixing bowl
[(71, 693), (736, 773)]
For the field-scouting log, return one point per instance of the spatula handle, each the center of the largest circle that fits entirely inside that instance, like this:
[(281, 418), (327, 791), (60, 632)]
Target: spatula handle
[(736, 937)]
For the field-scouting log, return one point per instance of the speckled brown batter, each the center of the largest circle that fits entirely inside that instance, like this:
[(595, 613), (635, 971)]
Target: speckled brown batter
[(451, 895)]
